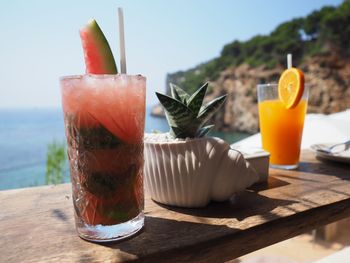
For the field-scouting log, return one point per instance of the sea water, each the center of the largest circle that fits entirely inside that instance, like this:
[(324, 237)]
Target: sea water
[(26, 133)]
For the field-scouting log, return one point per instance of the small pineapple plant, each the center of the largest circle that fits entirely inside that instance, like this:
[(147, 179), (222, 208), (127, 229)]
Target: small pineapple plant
[(186, 114), (186, 168)]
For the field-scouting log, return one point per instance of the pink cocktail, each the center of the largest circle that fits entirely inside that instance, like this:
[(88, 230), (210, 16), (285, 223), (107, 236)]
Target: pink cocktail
[(104, 122)]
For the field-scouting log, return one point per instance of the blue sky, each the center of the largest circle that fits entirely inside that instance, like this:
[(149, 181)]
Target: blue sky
[(40, 40)]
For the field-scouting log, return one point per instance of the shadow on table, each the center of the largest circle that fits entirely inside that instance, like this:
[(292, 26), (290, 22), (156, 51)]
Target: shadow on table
[(59, 214), (339, 170), (270, 184), (240, 207), (162, 237)]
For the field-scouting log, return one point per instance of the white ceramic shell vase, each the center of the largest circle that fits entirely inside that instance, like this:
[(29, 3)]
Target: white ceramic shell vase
[(191, 173)]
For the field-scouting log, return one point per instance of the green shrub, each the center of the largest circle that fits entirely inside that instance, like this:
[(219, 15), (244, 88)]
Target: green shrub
[(55, 162), (322, 31)]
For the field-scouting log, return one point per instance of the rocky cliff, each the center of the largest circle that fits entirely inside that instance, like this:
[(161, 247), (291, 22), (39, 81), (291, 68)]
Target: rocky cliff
[(320, 44), (328, 79)]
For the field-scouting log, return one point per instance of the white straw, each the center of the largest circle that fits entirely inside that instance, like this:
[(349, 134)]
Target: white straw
[(289, 60), (122, 41)]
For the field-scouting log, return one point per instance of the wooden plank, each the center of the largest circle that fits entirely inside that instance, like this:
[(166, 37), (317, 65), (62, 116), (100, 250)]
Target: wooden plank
[(37, 224)]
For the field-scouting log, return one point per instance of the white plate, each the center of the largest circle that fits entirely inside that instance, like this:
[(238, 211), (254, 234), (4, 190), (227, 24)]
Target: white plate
[(343, 156)]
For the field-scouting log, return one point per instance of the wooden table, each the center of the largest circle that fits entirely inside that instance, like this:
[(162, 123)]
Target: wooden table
[(37, 223)]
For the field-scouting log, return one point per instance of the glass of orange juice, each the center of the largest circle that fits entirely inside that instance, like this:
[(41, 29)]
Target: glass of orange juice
[(281, 128)]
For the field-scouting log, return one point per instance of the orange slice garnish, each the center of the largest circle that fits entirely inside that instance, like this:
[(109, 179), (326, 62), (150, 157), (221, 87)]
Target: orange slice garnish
[(291, 87)]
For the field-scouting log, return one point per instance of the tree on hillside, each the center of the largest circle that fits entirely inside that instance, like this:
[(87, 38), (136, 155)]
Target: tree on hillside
[(323, 31), (335, 27)]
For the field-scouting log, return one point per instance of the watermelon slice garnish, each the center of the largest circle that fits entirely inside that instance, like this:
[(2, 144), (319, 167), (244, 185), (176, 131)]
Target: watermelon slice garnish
[(97, 52)]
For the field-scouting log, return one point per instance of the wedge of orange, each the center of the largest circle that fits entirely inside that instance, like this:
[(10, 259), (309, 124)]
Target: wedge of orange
[(291, 87)]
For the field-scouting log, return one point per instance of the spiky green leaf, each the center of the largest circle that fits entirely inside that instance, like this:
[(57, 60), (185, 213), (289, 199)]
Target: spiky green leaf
[(174, 93), (185, 113), (178, 114), (176, 132), (206, 113), (178, 92), (196, 100), (188, 131), (204, 131)]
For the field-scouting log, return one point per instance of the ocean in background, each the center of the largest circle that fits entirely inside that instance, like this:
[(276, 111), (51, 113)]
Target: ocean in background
[(26, 133)]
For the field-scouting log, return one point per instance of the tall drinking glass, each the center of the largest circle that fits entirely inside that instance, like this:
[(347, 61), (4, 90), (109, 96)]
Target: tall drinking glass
[(104, 118), (281, 129)]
